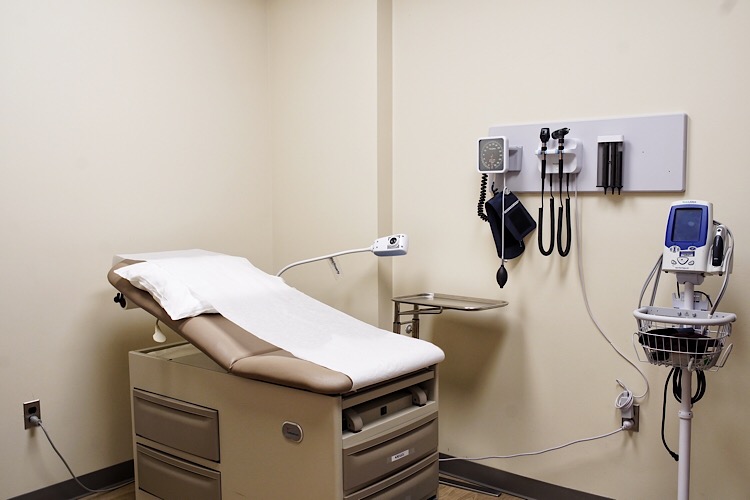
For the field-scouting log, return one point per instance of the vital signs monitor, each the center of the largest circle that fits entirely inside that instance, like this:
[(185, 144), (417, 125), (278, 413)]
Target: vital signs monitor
[(692, 243)]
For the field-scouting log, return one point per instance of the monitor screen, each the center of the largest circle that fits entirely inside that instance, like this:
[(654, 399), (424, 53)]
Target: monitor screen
[(687, 225)]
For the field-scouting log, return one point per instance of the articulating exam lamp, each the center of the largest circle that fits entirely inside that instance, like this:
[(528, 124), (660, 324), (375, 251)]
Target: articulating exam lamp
[(387, 246)]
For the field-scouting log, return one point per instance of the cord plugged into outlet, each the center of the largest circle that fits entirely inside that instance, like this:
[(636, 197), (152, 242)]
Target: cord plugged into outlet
[(32, 417), (32, 409), (629, 411), (630, 419)]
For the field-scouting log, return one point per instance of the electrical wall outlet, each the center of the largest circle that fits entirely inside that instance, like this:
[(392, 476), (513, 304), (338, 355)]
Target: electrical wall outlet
[(30, 409), (633, 417)]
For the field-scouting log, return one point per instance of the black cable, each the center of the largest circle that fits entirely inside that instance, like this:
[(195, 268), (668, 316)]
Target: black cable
[(560, 250), (676, 375), (700, 387), (560, 136), (560, 178), (708, 297), (482, 198), (547, 251), (664, 417), (544, 137), (566, 250)]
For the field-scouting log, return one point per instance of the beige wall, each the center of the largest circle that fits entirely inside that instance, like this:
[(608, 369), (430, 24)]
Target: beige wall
[(537, 373), (124, 127), (327, 145), (264, 129)]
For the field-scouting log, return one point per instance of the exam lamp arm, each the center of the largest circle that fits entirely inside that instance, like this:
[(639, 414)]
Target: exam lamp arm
[(387, 246)]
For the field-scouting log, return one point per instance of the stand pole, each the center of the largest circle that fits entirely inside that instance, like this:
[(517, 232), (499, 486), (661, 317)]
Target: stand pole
[(685, 414)]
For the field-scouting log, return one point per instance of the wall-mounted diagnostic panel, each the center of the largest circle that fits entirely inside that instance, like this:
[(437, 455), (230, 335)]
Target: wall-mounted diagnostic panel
[(637, 154)]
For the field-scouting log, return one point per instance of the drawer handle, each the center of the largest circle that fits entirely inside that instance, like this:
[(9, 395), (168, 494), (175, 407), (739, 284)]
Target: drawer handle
[(353, 420), (418, 395)]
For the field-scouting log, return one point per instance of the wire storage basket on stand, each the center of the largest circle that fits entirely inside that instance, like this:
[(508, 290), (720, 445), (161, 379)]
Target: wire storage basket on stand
[(694, 340)]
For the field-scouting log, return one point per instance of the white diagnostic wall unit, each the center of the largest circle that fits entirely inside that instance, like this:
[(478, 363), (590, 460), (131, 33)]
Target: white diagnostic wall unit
[(653, 152)]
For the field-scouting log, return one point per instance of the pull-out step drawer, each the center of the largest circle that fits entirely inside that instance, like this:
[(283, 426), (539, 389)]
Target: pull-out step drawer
[(169, 477), (183, 426), (372, 461), (417, 482)]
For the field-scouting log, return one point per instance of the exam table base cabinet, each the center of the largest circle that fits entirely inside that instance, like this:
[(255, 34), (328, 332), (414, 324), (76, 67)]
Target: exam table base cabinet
[(199, 432)]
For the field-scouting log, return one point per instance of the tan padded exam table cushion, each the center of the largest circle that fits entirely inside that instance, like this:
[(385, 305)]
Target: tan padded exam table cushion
[(236, 350)]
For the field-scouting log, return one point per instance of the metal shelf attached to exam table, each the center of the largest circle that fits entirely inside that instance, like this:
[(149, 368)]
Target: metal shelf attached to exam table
[(436, 303)]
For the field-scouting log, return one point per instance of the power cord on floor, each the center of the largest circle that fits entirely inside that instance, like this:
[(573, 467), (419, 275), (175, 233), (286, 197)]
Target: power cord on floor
[(38, 422), (625, 426)]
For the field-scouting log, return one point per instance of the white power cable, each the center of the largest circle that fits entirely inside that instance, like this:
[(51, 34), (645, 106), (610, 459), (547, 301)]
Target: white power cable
[(554, 448), (624, 401), (654, 272), (586, 299)]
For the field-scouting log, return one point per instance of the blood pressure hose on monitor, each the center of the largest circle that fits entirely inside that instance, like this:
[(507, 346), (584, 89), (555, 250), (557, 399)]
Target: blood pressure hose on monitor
[(690, 336)]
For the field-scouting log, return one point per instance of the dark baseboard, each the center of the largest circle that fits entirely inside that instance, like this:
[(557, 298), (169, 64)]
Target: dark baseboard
[(110, 477), (494, 479), (458, 470)]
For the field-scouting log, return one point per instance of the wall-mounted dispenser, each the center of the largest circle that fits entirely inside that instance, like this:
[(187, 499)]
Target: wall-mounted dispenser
[(609, 162)]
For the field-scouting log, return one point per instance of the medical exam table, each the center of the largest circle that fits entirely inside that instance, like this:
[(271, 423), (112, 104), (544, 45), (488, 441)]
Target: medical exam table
[(229, 415)]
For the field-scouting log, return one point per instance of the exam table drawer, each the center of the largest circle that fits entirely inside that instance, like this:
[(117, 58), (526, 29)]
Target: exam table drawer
[(183, 426), (365, 465), (168, 477), (418, 482)]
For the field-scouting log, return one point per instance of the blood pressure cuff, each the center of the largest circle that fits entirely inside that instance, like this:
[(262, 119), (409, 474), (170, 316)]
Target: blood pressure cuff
[(518, 223), (661, 342)]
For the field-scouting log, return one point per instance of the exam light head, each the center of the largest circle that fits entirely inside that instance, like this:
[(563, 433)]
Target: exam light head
[(391, 246)]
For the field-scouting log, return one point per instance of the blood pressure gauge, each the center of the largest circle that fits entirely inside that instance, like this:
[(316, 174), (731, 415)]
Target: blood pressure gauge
[(493, 155)]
